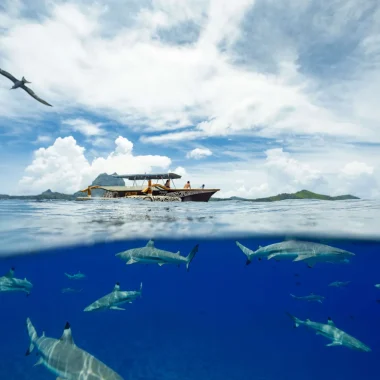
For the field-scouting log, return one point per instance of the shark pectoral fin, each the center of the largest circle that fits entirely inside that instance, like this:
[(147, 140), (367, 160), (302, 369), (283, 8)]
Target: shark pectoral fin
[(300, 257), (272, 255), (333, 344), (116, 308), (131, 261), (161, 264), (39, 362)]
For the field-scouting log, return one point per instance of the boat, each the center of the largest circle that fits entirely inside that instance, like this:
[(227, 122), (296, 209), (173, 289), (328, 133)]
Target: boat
[(155, 192)]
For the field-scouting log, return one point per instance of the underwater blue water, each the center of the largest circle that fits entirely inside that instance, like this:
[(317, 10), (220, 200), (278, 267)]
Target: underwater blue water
[(220, 320)]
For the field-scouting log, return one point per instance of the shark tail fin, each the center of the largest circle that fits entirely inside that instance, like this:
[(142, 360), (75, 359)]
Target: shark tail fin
[(191, 255), (248, 252), (292, 295), (141, 289), (32, 336), (296, 321)]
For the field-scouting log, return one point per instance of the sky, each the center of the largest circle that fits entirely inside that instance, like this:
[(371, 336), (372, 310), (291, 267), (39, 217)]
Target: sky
[(254, 97)]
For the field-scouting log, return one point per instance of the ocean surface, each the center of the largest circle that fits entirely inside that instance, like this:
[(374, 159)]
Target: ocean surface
[(30, 226), (221, 319)]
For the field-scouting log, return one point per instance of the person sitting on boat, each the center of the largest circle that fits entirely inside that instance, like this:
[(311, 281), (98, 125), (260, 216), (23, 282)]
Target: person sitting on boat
[(167, 183), (187, 186)]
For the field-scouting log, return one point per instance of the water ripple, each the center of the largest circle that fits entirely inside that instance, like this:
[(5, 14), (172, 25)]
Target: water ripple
[(31, 225)]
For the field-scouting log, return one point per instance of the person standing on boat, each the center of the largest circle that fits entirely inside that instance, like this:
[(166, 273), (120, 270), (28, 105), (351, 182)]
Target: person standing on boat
[(167, 183), (203, 186), (187, 186)]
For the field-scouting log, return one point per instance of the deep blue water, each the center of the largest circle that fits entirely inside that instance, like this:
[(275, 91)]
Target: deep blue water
[(220, 320)]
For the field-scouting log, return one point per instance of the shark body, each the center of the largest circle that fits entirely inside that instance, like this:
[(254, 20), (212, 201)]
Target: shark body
[(9, 283), (330, 331), (66, 360), (339, 284), (113, 300), (298, 250), (151, 255), (311, 297), (76, 276)]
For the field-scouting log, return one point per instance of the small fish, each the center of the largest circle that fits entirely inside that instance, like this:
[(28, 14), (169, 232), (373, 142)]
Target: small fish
[(9, 283), (76, 276), (339, 284), (71, 290), (309, 298), (330, 331)]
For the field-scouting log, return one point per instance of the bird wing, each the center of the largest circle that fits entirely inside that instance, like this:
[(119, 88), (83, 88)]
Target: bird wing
[(9, 76), (31, 93)]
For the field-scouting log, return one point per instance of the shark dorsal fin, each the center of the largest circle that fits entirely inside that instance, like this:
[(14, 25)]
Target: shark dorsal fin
[(11, 273), (177, 253), (150, 243), (330, 322), (66, 336), (308, 320), (116, 287), (260, 247)]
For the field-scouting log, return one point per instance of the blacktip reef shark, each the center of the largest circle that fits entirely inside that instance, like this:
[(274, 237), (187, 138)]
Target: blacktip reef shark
[(339, 284), (9, 283), (330, 331), (112, 300), (298, 250), (311, 297), (76, 276), (151, 255), (65, 359), (21, 84)]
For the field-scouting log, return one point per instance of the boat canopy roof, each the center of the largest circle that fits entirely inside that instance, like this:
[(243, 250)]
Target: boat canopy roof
[(148, 176)]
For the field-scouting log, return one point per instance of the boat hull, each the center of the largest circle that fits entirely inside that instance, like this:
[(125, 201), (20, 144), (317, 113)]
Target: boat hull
[(192, 195), (184, 195)]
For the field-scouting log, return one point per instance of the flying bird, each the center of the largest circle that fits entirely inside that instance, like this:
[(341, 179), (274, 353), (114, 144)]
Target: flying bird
[(21, 84)]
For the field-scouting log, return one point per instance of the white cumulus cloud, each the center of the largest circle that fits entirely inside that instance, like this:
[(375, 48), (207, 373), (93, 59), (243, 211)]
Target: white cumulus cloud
[(84, 127), (63, 166), (199, 153)]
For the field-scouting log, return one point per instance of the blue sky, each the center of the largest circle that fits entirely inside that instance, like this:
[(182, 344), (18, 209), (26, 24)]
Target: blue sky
[(253, 97)]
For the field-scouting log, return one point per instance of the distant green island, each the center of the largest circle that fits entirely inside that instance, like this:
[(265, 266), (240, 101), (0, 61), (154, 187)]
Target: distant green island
[(46, 195), (303, 194)]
